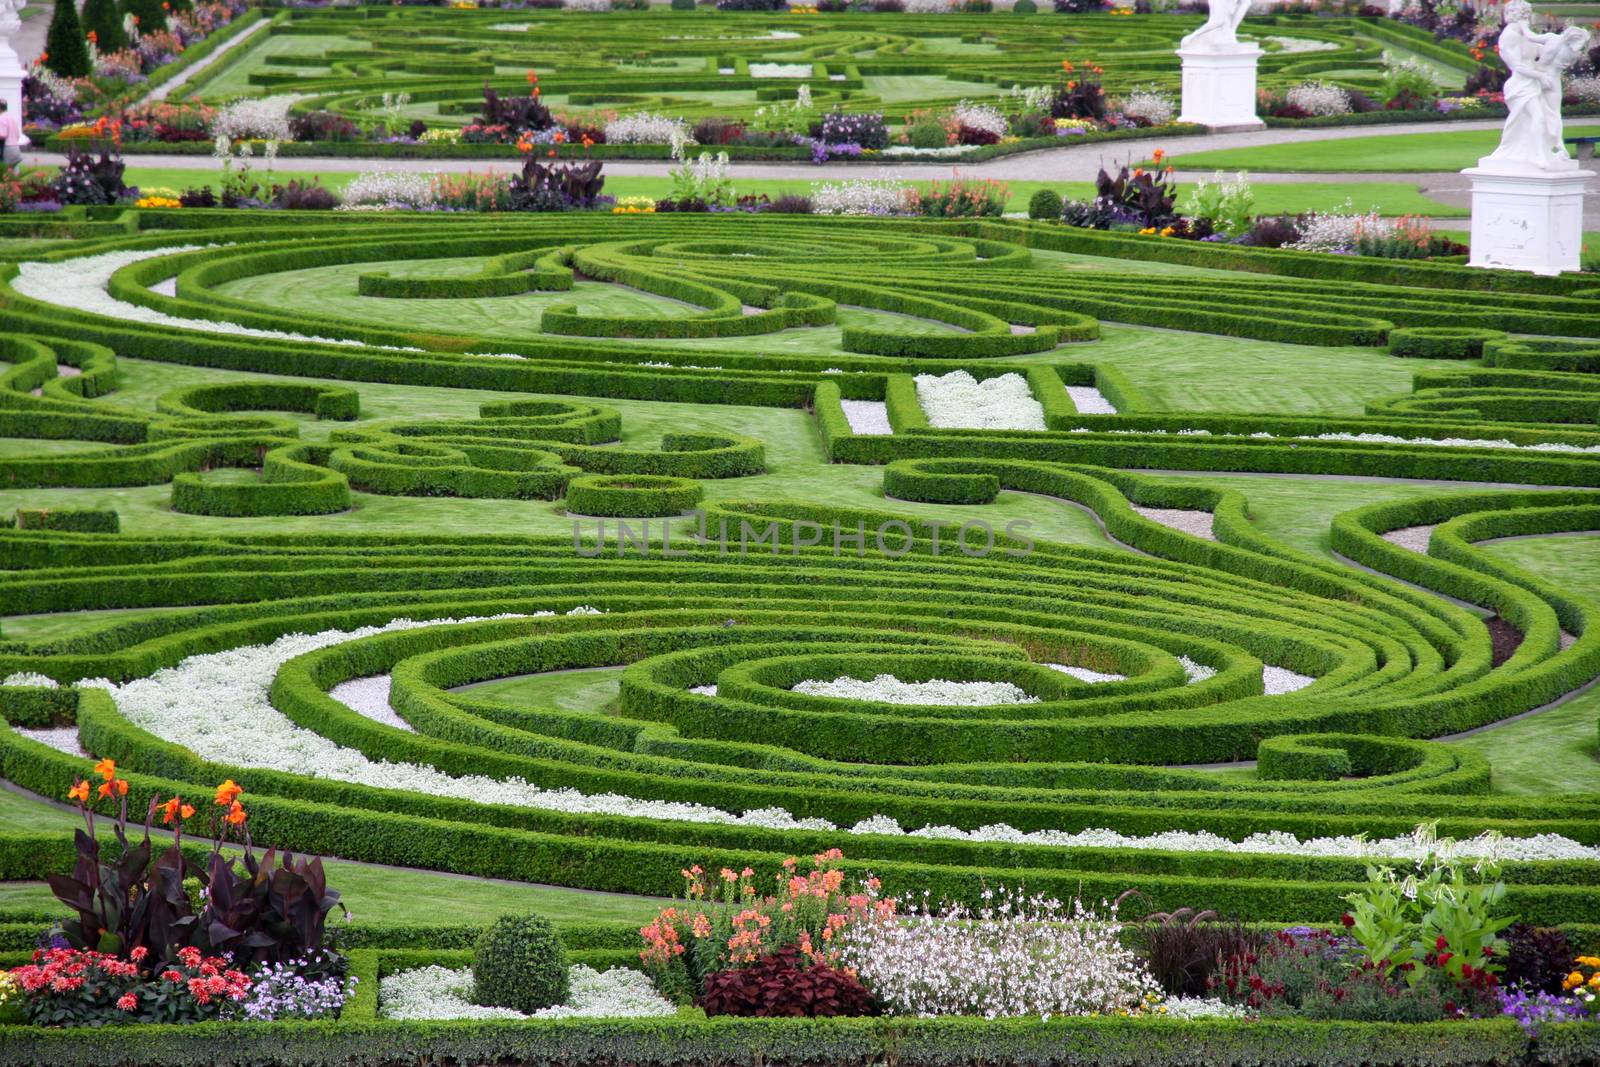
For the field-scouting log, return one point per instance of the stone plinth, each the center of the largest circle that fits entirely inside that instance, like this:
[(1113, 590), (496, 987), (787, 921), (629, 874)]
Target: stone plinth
[(1527, 219), (1219, 88)]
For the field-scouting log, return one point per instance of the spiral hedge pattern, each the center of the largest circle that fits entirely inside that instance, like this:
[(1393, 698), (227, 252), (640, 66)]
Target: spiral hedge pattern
[(1143, 658)]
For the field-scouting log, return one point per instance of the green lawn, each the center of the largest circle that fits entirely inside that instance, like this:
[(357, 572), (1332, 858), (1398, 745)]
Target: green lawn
[(1388, 198), (1392, 153)]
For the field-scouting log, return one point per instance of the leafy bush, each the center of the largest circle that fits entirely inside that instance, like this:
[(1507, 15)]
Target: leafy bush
[(1272, 232), (300, 195), (79, 987), (520, 964), (1230, 205), (866, 130), (91, 181), (783, 986), (959, 198), (1080, 98), (556, 186), (66, 46), (1146, 196), (1044, 204), (1408, 84), (323, 126), (1538, 958), (683, 5), (517, 113), (1185, 949), (1024, 7), (715, 130)]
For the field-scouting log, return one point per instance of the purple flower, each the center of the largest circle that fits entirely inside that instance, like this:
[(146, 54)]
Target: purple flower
[(1531, 1010)]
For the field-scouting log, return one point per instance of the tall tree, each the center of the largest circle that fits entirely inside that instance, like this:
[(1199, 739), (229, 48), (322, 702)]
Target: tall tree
[(150, 13), (103, 18), (65, 46)]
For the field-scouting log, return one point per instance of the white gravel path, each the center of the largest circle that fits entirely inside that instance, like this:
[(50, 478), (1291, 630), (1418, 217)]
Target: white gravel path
[(704, 690), (1185, 520), (369, 697), (1413, 537), (867, 416), (1195, 672), (168, 287), (1090, 401)]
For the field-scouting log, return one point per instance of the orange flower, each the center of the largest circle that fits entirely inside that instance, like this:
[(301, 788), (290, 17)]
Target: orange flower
[(106, 768), (186, 812), (79, 791), (1159, 154), (228, 792), (94, 38), (105, 789), (236, 814), (551, 153), (169, 810), (1066, 65), (121, 786)]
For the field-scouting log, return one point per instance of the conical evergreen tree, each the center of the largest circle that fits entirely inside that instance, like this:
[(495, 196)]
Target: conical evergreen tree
[(104, 19), (65, 46)]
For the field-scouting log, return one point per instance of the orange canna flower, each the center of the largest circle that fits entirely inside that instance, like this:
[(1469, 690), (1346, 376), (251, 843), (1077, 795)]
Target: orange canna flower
[(186, 812), (236, 814), (228, 792), (79, 791), (106, 768), (1158, 155), (169, 810), (1066, 65), (121, 786), (105, 789)]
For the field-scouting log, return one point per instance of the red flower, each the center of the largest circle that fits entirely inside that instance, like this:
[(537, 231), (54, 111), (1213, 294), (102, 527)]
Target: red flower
[(127, 1002), (1348, 920)]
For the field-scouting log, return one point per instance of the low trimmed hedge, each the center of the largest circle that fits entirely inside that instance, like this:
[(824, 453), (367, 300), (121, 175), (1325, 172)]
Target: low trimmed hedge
[(1441, 342), (632, 495)]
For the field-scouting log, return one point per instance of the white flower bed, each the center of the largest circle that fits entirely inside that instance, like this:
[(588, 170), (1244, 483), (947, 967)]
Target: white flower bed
[(1151, 104), (929, 7), (979, 117), (31, 680), (859, 196), (1090, 401), (432, 993), (1201, 1008), (216, 706), (780, 70), (1319, 98), (263, 118), (704, 690), (867, 416), (1195, 672), (1587, 90), (588, 5), (60, 738), (389, 189), (912, 150), (81, 284), (646, 128), (369, 697), (1372, 438), (1084, 674), (1301, 44), (1279, 680), (959, 401), (887, 689)]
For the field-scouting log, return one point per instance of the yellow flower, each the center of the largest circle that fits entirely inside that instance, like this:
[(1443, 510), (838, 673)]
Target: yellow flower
[(1147, 231)]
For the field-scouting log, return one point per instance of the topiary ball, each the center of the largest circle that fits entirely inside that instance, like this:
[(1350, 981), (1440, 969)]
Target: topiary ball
[(1045, 204), (520, 964), (1024, 7), (683, 5)]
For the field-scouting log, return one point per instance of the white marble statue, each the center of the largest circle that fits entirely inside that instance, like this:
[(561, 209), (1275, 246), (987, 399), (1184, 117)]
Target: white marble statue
[(1220, 32), (1531, 140)]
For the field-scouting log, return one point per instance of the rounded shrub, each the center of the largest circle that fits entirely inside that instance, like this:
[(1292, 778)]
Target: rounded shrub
[(683, 5), (632, 495), (1024, 7), (520, 964), (1045, 204), (1441, 342)]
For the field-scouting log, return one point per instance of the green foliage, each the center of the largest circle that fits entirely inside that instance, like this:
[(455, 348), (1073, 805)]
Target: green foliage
[(519, 963), (1045, 204), (1442, 342), (65, 44), (631, 495), (104, 19)]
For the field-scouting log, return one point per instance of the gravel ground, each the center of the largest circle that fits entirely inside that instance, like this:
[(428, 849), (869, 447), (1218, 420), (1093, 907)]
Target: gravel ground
[(370, 697), (1090, 401), (1186, 520), (867, 416), (704, 690), (1084, 674), (1413, 537), (888, 689)]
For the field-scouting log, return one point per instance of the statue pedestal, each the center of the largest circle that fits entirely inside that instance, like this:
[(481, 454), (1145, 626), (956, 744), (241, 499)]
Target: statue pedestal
[(1527, 219), (1219, 88), (11, 69)]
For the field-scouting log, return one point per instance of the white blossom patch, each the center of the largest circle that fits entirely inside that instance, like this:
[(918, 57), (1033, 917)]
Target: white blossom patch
[(780, 70), (30, 680), (1090, 401), (60, 738), (369, 697), (867, 416), (1200, 1008), (1084, 674), (80, 284), (430, 993), (704, 690), (958, 401), (1369, 438), (1195, 672), (887, 689), (1278, 680)]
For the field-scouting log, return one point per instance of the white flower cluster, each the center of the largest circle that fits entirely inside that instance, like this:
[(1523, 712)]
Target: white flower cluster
[(1015, 956), (1084, 674), (262, 118), (60, 738), (389, 189), (369, 697), (780, 70), (1033, 97), (959, 401), (588, 5), (887, 689), (1374, 438), (81, 284), (646, 128), (979, 117), (929, 7), (1151, 104), (867, 416), (216, 705), (1586, 90), (1276, 681), (30, 680), (1090, 401), (430, 993), (1319, 98), (1195, 672), (859, 196), (913, 150), (1301, 44), (1200, 1008)]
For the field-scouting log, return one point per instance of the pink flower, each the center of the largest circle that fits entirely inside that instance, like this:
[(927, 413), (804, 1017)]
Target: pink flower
[(127, 1002)]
